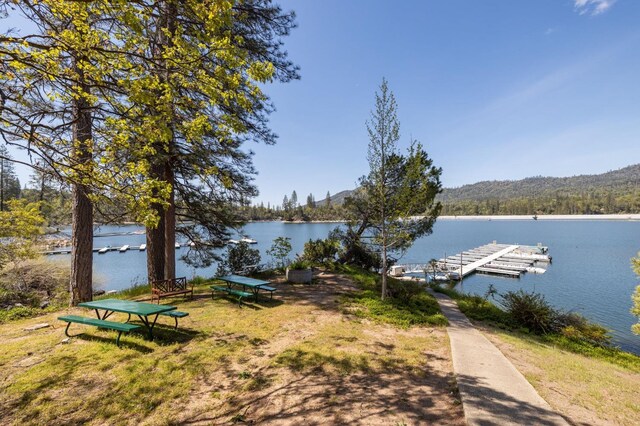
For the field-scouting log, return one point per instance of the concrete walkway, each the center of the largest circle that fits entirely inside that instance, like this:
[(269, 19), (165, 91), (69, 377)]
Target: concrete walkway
[(493, 392)]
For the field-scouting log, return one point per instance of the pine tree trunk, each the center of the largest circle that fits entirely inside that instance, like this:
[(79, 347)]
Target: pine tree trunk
[(170, 228), (156, 248), (81, 283)]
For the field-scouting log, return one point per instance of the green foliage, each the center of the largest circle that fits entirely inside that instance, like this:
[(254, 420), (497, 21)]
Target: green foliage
[(614, 192), (280, 250), (19, 227), (407, 305), (299, 263), (239, 257), (321, 251), (531, 313), (530, 310), (395, 203)]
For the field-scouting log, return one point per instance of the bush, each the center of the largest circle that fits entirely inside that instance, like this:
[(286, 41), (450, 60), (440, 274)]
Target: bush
[(239, 258), (299, 264), (321, 251), (531, 311), (33, 282), (280, 250), (578, 328)]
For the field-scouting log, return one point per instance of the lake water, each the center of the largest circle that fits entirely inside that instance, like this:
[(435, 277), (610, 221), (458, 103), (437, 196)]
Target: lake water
[(590, 272)]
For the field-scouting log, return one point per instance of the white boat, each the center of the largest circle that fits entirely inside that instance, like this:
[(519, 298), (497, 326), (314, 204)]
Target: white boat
[(103, 250), (124, 248), (143, 247), (177, 245), (248, 240), (233, 241), (192, 244), (536, 270)]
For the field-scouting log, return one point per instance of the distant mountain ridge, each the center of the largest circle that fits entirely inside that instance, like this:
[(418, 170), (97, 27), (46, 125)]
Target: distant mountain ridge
[(626, 179)]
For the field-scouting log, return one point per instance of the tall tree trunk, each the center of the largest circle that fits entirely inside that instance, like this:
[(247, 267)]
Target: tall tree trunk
[(170, 228), (156, 236), (81, 283)]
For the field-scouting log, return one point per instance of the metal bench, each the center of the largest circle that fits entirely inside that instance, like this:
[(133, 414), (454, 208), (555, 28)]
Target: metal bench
[(170, 287), (241, 294), (175, 315), (267, 288), (117, 326)]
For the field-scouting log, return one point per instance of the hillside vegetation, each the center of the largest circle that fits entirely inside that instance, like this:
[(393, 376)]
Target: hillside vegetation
[(614, 192), (617, 191)]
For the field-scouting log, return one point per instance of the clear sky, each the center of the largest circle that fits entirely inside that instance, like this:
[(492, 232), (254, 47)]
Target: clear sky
[(494, 89)]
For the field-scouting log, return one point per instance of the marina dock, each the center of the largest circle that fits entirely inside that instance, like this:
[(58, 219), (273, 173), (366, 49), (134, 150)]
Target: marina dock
[(510, 260)]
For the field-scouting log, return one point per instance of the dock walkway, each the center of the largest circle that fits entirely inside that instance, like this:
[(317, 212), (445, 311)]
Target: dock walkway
[(492, 390), (467, 269)]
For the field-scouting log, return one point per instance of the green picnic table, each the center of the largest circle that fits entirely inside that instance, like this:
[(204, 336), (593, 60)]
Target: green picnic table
[(141, 309), (251, 283)]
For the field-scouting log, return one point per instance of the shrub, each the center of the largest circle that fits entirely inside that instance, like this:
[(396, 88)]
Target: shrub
[(531, 311), (299, 264), (280, 250), (321, 251), (576, 327), (239, 258)]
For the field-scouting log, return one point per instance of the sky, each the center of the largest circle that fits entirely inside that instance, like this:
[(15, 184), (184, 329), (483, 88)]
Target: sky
[(493, 89)]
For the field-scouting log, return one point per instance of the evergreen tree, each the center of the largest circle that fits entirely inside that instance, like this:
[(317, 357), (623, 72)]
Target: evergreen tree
[(9, 182), (397, 189), (327, 200), (294, 200)]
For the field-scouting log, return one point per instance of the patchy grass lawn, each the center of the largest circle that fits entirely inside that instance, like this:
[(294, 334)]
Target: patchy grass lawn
[(587, 390), (298, 359)]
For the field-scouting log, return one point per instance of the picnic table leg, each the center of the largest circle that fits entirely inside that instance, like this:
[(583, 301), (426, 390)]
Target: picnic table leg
[(148, 324), (66, 330), (118, 338)]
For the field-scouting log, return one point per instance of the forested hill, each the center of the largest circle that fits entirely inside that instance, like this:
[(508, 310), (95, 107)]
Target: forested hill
[(626, 179), (617, 191)]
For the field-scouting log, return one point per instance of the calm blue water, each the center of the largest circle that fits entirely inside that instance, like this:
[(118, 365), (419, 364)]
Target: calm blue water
[(590, 272)]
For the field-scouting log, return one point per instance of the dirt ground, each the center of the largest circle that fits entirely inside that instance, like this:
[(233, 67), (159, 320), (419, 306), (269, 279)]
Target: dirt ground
[(298, 359), (417, 395)]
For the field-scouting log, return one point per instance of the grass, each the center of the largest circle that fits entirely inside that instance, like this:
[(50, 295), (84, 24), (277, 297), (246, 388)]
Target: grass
[(480, 309), (91, 380), (579, 387), (213, 366), (412, 307)]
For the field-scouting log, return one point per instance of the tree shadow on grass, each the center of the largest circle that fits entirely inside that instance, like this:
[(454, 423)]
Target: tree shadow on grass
[(328, 389)]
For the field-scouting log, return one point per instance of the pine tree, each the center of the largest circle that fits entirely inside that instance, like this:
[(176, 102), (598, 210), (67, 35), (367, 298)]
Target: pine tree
[(397, 189)]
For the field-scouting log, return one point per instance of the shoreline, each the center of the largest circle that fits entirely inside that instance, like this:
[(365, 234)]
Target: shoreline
[(627, 217)]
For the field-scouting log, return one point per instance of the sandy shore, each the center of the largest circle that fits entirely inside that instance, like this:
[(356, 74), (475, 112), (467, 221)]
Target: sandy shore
[(548, 217)]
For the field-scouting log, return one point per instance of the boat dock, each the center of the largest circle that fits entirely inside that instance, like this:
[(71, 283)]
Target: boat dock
[(510, 260), (103, 250)]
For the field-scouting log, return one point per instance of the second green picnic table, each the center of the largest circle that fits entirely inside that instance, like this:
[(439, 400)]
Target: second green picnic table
[(252, 284)]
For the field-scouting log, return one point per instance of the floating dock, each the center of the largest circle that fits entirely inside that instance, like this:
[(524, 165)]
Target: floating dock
[(103, 250), (510, 260)]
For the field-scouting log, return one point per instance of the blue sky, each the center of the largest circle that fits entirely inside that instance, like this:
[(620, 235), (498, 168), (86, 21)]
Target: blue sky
[(494, 89)]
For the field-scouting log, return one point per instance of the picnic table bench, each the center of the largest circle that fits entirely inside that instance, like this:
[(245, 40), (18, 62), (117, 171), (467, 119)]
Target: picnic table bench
[(229, 290), (118, 326), (170, 287), (175, 315)]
